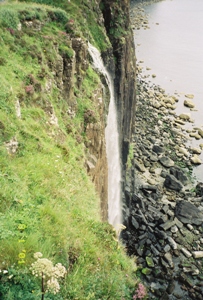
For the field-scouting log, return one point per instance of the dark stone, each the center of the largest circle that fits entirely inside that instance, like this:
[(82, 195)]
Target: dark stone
[(164, 296), (199, 189), (164, 173), (158, 149), (161, 234), (172, 183), (187, 212), (154, 250), (135, 223), (170, 287), (151, 188), (184, 279), (179, 174), (153, 157), (167, 225)]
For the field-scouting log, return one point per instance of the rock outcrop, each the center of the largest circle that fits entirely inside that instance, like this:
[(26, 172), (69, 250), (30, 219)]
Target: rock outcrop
[(117, 23)]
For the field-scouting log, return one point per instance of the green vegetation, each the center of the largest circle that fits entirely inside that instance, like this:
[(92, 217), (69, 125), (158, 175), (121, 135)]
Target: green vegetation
[(130, 156), (48, 203), (83, 20)]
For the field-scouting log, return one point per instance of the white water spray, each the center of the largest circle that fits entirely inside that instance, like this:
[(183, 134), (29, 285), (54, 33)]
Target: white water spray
[(112, 146)]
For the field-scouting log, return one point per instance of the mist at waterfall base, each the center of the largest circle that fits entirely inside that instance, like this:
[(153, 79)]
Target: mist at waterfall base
[(173, 49), (112, 145)]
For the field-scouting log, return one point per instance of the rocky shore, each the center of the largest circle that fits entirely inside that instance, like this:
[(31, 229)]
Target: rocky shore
[(163, 214), (163, 210)]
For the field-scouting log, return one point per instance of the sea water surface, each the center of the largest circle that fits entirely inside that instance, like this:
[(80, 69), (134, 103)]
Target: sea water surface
[(173, 49)]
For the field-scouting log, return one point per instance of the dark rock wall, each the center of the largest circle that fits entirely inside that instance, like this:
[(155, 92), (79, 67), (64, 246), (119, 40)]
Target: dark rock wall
[(117, 23)]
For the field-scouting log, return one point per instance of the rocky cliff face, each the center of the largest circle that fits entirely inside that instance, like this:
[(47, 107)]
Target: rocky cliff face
[(120, 60), (117, 23), (70, 72)]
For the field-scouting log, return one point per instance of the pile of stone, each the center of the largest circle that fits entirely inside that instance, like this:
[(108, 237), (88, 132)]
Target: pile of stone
[(163, 209)]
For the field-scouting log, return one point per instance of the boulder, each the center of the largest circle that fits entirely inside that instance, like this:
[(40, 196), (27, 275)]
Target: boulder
[(195, 160), (189, 103), (185, 117), (196, 150), (139, 166), (187, 212), (200, 131), (190, 96), (173, 183), (179, 174), (166, 161), (158, 149)]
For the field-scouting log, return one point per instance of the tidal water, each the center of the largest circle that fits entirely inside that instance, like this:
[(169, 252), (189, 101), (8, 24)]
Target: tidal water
[(173, 49)]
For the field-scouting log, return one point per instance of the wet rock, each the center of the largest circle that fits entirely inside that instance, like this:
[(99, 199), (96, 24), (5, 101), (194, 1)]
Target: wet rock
[(166, 161), (187, 212), (172, 183)]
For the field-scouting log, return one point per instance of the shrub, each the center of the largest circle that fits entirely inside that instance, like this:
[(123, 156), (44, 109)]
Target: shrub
[(9, 18), (59, 15)]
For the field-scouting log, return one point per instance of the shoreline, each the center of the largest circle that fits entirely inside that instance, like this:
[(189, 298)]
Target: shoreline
[(164, 207), (163, 210), (184, 101)]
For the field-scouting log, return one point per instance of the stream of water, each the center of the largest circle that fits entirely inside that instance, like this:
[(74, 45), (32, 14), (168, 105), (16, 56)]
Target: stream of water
[(112, 146), (173, 49)]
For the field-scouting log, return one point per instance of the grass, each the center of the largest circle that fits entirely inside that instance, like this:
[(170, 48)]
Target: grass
[(48, 203)]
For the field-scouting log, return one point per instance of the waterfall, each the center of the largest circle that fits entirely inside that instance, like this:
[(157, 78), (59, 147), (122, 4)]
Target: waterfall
[(112, 145)]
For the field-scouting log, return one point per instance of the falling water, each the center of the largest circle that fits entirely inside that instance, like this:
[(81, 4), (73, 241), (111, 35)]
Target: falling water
[(112, 145)]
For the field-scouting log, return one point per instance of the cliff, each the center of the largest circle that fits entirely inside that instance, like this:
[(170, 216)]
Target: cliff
[(53, 116), (117, 24)]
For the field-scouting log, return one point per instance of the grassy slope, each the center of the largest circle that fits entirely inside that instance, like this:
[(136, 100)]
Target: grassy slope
[(47, 201)]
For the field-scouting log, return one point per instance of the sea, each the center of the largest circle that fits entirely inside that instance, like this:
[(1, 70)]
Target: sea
[(173, 49)]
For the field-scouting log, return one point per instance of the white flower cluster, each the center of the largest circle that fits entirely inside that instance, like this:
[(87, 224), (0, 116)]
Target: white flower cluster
[(38, 255), (59, 270), (45, 268), (42, 266), (53, 285)]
